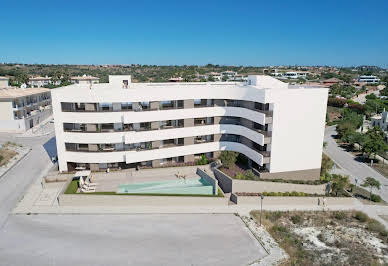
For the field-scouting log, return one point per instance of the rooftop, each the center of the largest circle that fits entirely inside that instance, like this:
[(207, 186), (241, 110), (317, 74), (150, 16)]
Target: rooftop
[(39, 78), (4, 78), (12, 92), (84, 77)]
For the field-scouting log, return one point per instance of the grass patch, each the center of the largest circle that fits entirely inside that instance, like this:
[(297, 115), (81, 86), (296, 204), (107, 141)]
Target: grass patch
[(72, 188), (6, 155)]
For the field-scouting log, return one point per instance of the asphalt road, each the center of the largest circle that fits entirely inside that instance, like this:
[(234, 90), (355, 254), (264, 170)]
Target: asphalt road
[(349, 166), (94, 240)]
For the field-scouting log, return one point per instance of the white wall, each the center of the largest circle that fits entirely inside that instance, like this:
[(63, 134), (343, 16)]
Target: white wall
[(6, 110), (298, 129)]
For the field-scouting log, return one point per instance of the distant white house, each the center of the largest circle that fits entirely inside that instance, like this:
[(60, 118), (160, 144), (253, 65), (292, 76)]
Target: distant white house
[(84, 80), (42, 81), (230, 75), (369, 79), (295, 75)]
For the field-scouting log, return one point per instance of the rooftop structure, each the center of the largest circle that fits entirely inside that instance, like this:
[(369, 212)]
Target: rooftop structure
[(4, 82), (84, 80), (120, 124)]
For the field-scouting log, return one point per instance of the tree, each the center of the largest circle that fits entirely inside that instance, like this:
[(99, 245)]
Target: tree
[(374, 142), (371, 183), (339, 183), (228, 158)]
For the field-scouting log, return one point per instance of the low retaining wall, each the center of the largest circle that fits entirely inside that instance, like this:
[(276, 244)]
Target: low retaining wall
[(288, 202), (224, 181), (266, 186), (133, 200), (203, 174)]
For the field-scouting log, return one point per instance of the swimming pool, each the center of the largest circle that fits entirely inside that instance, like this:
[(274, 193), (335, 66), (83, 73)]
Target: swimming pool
[(195, 186)]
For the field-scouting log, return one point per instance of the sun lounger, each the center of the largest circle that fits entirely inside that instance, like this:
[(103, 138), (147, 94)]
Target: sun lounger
[(83, 190)]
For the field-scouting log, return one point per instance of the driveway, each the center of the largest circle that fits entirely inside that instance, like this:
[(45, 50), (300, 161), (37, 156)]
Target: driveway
[(179, 239), (349, 166)]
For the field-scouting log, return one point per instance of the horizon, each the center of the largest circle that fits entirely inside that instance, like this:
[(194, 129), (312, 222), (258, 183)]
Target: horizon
[(291, 33)]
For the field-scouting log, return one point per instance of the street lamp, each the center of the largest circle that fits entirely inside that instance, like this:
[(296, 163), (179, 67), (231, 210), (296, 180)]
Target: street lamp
[(261, 207)]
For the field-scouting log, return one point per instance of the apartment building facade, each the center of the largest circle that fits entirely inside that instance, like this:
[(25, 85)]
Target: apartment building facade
[(279, 128), (22, 109)]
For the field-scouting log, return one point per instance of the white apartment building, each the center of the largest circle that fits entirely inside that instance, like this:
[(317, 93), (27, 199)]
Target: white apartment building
[(278, 127), (22, 109), (368, 79), (42, 81), (4, 82), (84, 80), (295, 75)]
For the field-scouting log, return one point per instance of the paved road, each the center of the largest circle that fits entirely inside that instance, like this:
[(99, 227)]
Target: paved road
[(201, 239), (32, 166), (349, 166)]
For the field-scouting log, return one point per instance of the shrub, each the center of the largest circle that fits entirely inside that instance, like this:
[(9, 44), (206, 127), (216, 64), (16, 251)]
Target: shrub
[(336, 102), (375, 226), (228, 158), (1, 158), (362, 217), (203, 160), (249, 175), (273, 216), (339, 215), (296, 219), (375, 198), (280, 228), (239, 176)]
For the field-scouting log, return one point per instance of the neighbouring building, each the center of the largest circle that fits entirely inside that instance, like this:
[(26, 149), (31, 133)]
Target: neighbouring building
[(22, 109), (84, 80), (332, 81), (295, 75), (229, 75), (368, 79), (277, 126), (380, 120), (4, 82), (42, 81)]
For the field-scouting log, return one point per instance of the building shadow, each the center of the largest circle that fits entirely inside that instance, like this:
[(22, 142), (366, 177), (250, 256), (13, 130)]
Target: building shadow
[(51, 147)]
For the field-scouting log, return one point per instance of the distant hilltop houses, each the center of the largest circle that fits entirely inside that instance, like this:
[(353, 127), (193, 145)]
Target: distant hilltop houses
[(38, 81)]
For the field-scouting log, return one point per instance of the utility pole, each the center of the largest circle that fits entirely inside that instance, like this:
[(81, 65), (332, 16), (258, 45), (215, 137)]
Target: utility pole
[(261, 207)]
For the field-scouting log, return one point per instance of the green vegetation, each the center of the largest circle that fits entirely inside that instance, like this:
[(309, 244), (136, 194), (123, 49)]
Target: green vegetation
[(372, 183), (289, 194), (342, 236), (72, 188), (202, 161), (228, 158), (345, 91)]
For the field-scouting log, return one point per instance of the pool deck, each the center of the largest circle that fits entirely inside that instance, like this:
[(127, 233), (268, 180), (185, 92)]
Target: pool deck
[(109, 182)]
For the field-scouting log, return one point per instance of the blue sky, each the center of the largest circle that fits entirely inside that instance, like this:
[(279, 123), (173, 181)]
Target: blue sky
[(195, 32)]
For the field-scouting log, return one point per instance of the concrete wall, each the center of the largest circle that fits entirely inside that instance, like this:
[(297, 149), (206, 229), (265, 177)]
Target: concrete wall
[(224, 181), (303, 202), (208, 179), (311, 174), (263, 186), (131, 200)]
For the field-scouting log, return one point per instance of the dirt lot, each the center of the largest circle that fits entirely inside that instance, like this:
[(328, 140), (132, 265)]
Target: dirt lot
[(334, 113), (328, 238), (6, 153)]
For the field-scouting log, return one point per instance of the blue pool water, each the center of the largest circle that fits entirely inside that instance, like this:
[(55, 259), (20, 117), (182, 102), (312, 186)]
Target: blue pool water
[(190, 186)]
